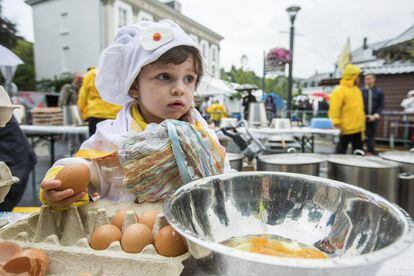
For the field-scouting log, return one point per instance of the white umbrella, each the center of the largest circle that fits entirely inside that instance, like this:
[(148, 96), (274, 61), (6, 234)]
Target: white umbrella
[(8, 64), (213, 87), (8, 58)]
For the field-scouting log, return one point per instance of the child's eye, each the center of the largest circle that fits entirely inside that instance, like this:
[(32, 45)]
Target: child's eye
[(189, 79), (163, 76)]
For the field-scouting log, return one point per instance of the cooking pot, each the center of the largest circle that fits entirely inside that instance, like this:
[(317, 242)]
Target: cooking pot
[(406, 178), (369, 172), (304, 163), (236, 160), (404, 158)]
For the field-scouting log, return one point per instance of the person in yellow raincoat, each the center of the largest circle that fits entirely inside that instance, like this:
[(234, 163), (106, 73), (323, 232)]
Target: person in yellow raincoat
[(91, 106), (216, 111), (346, 109)]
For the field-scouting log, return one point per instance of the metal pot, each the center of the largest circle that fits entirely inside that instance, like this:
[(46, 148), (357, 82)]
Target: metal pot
[(236, 160), (257, 115), (362, 229), (406, 192), (405, 158), (304, 163), (369, 172), (405, 179)]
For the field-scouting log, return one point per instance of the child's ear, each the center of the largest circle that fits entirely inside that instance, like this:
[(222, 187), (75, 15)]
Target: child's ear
[(134, 93)]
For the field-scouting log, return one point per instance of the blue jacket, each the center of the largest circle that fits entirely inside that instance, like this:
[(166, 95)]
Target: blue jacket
[(377, 100)]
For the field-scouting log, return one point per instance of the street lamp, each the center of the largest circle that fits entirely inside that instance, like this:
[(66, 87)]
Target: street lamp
[(292, 11)]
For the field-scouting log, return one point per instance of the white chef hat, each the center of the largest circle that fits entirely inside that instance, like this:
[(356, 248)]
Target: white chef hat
[(135, 46), (410, 93)]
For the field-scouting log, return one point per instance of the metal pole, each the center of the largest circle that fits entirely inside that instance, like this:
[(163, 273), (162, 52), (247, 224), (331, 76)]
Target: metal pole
[(264, 72), (289, 100)]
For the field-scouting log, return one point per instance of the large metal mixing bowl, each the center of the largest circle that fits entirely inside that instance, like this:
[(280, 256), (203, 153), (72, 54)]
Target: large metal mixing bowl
[(359, 229)]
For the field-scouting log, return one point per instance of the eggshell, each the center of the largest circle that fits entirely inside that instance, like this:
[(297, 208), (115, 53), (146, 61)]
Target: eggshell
[(169, 243), (40, 256), (118, 219), (148, 218), (104, 235), (136, 237), (7, 251), (20, 264), (74, 176)]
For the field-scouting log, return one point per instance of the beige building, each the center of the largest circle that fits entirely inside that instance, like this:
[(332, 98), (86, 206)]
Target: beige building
[(70, 35)]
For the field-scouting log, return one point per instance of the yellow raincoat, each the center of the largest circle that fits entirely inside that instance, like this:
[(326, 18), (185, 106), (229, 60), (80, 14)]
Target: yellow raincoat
[(90, 103), (346, 109), (216, 111)]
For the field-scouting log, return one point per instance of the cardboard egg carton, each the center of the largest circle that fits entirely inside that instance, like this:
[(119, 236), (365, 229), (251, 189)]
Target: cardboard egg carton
[(6, 180), (64, 235)]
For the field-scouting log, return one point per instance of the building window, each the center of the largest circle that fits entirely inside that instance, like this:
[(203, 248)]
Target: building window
[(194, 38), (122, 17), (144, 16), (213, 71), (214, 53)]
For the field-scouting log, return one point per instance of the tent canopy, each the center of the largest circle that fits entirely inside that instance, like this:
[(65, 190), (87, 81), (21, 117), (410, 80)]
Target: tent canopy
[(210, 86)]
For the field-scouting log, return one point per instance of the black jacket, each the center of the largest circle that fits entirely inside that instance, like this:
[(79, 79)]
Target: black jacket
[(18, 155), (377, 100)]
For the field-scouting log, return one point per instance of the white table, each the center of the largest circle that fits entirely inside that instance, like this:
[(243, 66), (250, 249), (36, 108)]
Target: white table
[(304, 135), (50, 132)]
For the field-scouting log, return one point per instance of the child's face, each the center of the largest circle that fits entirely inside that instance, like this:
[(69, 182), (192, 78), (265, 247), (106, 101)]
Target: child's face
[(166, 90)]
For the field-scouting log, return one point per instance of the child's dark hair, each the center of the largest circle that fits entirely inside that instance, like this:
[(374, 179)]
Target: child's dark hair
[(179, 54)]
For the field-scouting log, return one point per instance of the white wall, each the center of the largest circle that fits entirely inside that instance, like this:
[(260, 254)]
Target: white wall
[(67, 36)]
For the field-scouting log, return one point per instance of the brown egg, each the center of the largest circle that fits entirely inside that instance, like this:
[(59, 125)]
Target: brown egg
[(104, 235), (169, 243), (74, 176), (148, 218), (118, 219), (136, 237), (7, 251)]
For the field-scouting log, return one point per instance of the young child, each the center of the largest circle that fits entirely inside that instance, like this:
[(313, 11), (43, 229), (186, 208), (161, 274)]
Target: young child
[(153, 70)]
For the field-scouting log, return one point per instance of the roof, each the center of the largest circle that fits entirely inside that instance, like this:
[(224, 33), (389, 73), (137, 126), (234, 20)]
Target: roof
[(361, 55), (397, 67), (407, 35)]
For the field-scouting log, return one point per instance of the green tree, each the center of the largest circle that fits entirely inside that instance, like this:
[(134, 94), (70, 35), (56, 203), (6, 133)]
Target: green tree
[(8, 31), (276, 84), (25, 73)]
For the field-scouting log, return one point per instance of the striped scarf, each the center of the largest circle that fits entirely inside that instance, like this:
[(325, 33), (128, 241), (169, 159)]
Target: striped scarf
[(165, 156)]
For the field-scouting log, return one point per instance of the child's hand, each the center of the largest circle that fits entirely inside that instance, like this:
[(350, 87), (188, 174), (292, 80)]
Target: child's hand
[(62, 198)]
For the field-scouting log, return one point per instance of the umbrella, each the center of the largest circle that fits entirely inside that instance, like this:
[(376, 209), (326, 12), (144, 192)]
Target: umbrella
[(8, 64), (213, 87), (319, 94), (8, 58), (246, 86)]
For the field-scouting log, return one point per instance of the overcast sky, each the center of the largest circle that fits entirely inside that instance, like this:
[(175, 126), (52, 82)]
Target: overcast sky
[(250, 27)]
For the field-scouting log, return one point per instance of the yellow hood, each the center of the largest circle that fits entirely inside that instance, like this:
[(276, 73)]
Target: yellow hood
[(351, 72)]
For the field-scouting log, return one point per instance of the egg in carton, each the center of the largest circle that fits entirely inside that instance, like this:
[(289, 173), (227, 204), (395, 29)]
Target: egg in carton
[(65, 236)]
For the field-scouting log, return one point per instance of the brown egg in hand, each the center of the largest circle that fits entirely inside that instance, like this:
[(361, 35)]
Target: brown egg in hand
[(148, 218), (135, 238), (169, 243), (119, 217), (104, 235), (74, 176)]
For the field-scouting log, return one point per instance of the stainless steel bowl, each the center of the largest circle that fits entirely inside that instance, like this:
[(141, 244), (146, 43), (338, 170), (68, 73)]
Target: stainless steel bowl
[(360, 229)]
